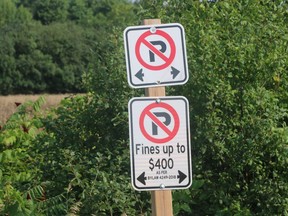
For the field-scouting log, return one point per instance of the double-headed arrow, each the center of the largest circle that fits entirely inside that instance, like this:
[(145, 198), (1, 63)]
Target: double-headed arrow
[(174, 72), (181, 176)]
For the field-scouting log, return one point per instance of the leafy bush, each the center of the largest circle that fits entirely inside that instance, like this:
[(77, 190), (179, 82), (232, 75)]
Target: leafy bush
[(85, 151), (237, 61), (20, 190), (238, 97)]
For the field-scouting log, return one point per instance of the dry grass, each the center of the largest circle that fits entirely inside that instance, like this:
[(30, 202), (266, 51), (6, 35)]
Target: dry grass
[(8, 103)]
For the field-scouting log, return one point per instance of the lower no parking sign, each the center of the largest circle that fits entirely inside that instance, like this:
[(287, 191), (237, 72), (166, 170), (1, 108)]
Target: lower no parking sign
[(160, 149)]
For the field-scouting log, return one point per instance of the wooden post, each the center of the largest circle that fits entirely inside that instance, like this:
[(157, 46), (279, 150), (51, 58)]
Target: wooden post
[(161, 200)]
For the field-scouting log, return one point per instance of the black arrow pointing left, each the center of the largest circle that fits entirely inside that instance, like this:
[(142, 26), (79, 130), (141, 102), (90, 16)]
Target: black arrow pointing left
[(181, 176), (142, 178), (140, 75)]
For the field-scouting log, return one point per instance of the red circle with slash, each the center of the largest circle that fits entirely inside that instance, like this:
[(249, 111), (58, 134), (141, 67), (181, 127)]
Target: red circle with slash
[(170, 133), (167, 60)]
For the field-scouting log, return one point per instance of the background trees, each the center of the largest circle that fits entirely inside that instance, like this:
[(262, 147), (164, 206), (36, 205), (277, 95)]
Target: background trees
[(47, 45)]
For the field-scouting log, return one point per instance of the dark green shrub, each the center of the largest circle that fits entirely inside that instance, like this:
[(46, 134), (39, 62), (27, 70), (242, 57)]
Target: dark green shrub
[(237, 62)]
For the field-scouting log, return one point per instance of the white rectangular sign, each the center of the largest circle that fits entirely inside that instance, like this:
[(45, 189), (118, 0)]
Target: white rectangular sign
[(155, 55), (160, 148)]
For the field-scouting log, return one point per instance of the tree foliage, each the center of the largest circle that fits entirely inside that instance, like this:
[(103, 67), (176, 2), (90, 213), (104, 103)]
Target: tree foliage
[(238, 65), (47, 45)]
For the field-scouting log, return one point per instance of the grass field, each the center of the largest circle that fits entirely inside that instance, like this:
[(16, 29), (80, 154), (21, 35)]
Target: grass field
[(8, 103)]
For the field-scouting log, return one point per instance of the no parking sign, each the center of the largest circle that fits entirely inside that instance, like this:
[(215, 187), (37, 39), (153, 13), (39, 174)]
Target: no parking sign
[(160, 143), (155, 55)]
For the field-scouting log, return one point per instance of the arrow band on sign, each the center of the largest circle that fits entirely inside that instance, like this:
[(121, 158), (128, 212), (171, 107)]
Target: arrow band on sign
[(141, 178)]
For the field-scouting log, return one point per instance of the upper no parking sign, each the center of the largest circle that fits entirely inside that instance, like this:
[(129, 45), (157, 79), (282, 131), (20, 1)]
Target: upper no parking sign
[(155, 55)]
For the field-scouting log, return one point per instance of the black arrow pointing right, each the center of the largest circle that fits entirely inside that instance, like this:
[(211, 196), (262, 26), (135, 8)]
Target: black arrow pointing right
[(174, 72), (142, 178), (181, 176), (140, 75)]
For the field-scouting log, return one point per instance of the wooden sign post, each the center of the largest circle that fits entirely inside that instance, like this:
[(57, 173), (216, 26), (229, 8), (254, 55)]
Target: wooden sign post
[(153, 72), (161, 200)]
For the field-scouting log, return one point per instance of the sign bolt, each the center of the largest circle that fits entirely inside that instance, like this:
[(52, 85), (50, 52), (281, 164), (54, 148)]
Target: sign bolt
[(153, 29), (162, 186), (158, 100)]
